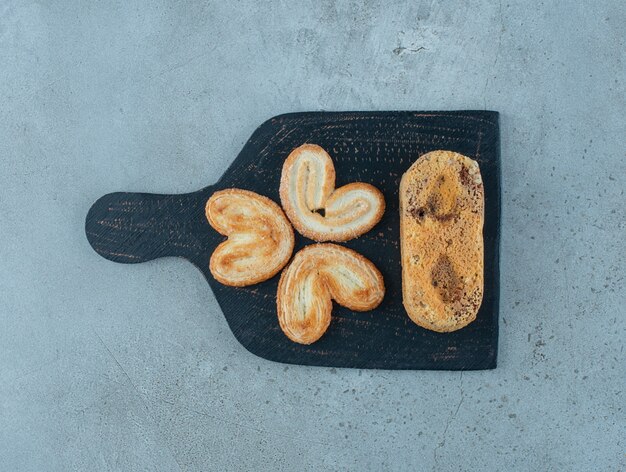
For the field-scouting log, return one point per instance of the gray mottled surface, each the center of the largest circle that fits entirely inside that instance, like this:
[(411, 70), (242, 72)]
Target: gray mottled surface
[(113, 367)]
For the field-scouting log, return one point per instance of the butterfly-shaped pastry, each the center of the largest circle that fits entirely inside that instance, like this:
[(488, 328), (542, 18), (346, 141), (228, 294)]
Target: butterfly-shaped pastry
[(260, 238), (316, 208), (317, 275)]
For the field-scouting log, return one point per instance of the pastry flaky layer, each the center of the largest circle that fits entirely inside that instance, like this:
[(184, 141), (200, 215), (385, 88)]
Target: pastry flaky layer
[(441, 234), (260, 239), (319, 211), (317, 275)]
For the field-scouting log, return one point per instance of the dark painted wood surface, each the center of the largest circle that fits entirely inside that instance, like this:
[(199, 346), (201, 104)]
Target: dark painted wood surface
[(374, 147)]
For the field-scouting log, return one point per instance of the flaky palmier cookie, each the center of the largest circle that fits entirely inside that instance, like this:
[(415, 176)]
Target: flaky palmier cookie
[(317, 275), (260, 239), (307, 187), (441, 236)]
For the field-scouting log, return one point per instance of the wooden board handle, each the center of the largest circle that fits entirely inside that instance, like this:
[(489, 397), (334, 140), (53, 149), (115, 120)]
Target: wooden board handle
[(138, 227)]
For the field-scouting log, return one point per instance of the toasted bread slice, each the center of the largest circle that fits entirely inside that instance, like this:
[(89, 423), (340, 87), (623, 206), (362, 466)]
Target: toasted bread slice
[(307, 187), (317, 275), (260, 239), (441, 233)]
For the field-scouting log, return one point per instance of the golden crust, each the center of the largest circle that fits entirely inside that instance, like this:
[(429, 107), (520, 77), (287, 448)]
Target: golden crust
[(307, 185), (317, 275), (441, 224), (260, 239)]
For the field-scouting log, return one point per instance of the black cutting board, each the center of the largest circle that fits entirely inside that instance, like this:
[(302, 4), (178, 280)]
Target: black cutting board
[(373, 147)]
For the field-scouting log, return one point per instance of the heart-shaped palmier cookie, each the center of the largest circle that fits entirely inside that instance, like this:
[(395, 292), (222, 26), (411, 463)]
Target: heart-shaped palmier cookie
[(318, 210), (317, 275), (260, 239)]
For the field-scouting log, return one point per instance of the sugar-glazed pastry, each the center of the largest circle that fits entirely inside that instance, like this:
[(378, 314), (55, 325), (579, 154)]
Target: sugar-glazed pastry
[(441, 240), (319, 211), (260, 238), (317, 275)]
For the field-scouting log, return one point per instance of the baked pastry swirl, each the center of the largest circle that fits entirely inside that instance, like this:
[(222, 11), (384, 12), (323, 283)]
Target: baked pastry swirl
[(317, 275), (441, 236), (260, 239), (319, 211)]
